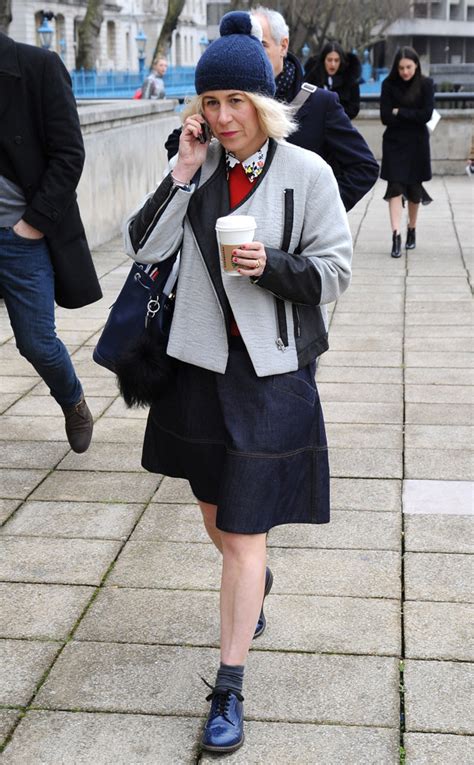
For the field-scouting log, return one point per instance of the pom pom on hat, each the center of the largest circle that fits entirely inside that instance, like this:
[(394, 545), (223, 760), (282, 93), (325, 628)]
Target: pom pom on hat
[(236, 60), (236, 23)]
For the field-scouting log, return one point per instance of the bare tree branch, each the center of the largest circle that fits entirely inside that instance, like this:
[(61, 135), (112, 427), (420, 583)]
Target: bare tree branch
[(88, 35), (173, 13), (354, 23)]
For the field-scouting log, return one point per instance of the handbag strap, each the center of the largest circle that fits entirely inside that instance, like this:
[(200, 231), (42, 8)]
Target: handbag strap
[(302, 96), (172, 278)]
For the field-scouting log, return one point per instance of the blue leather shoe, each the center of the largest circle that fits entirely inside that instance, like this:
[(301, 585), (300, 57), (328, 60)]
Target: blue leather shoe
[(262, 622), (224, 729)]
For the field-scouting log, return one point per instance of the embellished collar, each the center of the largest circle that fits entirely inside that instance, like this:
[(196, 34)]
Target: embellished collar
[(252, 166)]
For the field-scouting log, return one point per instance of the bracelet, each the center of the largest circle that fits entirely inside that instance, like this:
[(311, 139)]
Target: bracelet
[(180, 184)]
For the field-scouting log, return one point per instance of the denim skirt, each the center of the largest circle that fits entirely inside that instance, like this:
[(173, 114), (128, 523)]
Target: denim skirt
[(254, 446)]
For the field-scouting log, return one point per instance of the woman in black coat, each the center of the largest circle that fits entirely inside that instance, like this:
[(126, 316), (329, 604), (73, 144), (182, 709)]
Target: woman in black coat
[(338, 71), (406, 105)]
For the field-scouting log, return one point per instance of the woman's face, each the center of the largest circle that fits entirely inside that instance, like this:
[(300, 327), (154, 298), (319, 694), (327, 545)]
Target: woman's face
[(332, 62), (233, 120), (406, 68)]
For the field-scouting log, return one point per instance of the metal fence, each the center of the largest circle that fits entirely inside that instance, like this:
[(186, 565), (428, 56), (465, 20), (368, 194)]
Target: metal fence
[(179, 83), (457, 100)]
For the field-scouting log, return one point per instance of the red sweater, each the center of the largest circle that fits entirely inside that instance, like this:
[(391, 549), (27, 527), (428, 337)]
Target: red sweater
[(239, 187)]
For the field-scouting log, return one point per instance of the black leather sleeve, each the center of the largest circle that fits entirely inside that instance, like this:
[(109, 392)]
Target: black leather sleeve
[(291, 277), (147, 218)]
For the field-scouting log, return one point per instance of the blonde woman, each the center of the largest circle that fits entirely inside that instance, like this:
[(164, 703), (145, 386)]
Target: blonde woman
[(243, 422)]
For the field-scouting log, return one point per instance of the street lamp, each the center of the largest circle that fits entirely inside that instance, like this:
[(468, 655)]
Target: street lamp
[(62, 48), (140, 39), (45, 31)]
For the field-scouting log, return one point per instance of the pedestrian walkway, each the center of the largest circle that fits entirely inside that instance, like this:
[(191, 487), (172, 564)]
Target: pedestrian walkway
[(109, 586)]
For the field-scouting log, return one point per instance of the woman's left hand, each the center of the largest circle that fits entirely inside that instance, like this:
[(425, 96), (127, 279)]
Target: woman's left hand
[(251, 259)]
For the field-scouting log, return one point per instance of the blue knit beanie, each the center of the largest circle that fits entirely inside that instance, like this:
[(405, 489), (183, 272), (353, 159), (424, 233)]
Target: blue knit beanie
[(236, 60)]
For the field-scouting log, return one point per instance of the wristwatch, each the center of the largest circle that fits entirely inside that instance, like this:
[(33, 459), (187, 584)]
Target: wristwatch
[(180, 184)]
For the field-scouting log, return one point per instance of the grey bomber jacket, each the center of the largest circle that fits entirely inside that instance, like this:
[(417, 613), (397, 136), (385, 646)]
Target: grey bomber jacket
[(303, 225)]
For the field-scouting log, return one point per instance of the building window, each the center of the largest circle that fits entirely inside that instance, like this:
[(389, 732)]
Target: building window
[(470, 12), (420, 44), (178, 53), (127, 49), (436, 11), (77, 23), (469, 50), (110, 42), (215, 11), (439, 50), (455, 12), (420, 10), (456, 50)]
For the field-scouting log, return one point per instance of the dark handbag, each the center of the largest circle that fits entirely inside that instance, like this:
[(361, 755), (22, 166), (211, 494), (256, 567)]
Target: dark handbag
[(134, 340)]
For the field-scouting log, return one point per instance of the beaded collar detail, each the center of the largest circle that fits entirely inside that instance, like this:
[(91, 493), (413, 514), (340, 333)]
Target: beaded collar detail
[(252, 166)]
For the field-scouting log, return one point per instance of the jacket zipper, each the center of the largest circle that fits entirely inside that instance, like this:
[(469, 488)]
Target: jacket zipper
[(282, 340), (296, 320)]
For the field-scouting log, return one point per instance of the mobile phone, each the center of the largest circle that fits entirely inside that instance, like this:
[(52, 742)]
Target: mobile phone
[(206, 133)]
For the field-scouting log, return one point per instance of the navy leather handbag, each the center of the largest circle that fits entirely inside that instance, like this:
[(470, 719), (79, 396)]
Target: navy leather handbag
[(134, 339)]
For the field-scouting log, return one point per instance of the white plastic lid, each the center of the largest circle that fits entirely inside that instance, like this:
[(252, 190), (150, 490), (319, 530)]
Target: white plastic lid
[(236, 223)]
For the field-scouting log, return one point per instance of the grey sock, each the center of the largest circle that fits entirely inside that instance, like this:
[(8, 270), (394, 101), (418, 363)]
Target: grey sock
[(230, 678)]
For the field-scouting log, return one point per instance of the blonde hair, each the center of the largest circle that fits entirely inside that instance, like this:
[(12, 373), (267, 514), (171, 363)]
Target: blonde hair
[(275, 119)]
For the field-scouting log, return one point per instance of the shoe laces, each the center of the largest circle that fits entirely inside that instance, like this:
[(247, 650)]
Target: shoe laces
[(220, 698)]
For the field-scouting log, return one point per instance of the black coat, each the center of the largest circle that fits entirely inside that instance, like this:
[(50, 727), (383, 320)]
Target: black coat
[(41, 150), (406, 141), (345, 83)]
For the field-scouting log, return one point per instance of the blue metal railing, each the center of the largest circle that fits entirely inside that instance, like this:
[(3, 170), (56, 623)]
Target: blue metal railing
[(179, 83)]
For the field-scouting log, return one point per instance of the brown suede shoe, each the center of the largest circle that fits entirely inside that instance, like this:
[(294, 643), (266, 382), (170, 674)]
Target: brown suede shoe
[(79, 425)]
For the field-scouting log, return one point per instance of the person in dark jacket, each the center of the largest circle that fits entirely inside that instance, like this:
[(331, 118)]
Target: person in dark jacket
[(44, 253), (338, 71), (406, 105), (323, 125)]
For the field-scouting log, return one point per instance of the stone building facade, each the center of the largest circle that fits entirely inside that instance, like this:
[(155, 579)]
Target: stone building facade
[(123, 19)]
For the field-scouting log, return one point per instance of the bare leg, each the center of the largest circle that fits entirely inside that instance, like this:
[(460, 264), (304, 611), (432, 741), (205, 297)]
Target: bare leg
[(209, 517), (395, 208), (412, 213), (243, 582)]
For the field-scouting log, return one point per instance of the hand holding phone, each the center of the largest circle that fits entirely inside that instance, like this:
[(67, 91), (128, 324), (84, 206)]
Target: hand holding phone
[(205, 135)]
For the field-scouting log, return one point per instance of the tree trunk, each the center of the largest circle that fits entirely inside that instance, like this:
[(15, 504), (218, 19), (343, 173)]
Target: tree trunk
[(173, 13), (5, 15), (88, 35)]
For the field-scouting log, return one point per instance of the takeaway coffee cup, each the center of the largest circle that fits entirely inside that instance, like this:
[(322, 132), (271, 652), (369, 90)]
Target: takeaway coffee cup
[(232, 231)]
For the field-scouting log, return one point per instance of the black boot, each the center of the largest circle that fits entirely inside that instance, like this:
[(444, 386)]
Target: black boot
[(396, 245), (410, 243)]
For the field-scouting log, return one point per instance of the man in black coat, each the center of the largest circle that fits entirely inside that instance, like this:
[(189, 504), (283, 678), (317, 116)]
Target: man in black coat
[(324, 127), (44, 253)]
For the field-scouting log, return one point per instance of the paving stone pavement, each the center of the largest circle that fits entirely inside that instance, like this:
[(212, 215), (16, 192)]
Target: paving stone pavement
[(109, 585)]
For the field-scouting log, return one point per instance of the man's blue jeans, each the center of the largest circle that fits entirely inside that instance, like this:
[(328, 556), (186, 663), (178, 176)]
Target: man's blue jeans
[(27, 286)]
